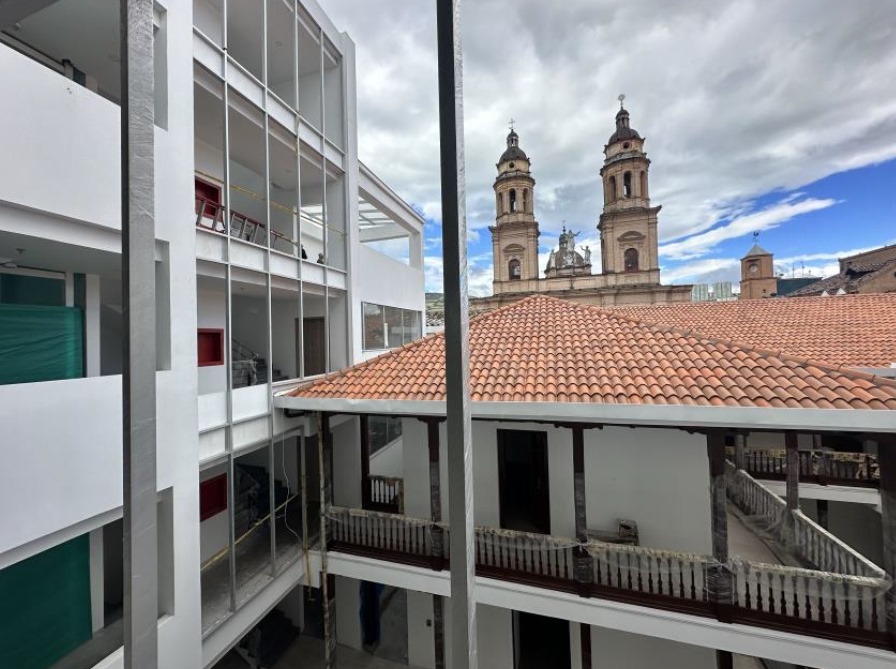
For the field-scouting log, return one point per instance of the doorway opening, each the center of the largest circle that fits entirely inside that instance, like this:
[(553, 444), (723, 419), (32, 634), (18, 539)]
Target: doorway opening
[(540, 642), (523, 481), (314, 338)]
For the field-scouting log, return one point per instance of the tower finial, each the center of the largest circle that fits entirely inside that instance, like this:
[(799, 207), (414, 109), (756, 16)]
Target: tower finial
[(621, 99), (756, 236), (511, 124)]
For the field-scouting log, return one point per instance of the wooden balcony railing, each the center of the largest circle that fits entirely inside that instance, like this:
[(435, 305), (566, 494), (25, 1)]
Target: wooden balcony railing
[(823, 550), (822, 467), (844, 607), (385, 535), (805, 538), (836, 606), (386, 494), (524, 556), (754, 499)]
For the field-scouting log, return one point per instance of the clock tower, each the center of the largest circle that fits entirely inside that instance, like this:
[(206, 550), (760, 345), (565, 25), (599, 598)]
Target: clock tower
[(757, 274)]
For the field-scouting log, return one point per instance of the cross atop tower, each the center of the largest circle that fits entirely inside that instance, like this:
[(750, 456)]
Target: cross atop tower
[(511, 122), (621, 99)]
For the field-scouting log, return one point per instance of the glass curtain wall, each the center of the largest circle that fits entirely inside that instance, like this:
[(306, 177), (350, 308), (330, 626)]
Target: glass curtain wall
[(333, 106), (310, 72), (313, 240), (245, 36), (248, 172), (281, 50), (335, 216), (284, 190)]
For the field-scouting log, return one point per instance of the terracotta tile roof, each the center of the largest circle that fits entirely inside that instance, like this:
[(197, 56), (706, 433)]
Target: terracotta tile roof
[(849, 281), (850, 330), (543, 349)]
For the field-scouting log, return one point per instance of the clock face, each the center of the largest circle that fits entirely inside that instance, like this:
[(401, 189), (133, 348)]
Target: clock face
[(753, 268)]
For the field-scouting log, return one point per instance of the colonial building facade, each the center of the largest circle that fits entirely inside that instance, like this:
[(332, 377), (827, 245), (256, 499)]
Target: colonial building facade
[(629, 270)]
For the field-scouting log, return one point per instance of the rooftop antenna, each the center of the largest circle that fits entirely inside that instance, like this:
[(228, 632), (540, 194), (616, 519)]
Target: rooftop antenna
[(621, 99)]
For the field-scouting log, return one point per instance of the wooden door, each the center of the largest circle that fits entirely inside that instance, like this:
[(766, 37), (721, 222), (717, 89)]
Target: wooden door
[(314, 345)]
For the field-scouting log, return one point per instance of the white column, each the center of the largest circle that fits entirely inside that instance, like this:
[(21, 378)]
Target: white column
[(92, 325), (97, 593)]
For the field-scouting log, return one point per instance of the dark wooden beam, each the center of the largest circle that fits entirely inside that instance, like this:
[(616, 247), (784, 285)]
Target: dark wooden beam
[(438, 630), (793, 470), (366, 497), (585, 635), (740, 451), (886, 460), (435, 494), (719, 576)]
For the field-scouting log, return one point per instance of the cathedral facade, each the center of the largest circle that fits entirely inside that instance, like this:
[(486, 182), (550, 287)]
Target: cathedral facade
[(629, 271)]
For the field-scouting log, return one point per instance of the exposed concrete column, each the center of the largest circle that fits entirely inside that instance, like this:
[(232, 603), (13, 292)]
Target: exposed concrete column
[(138, 238), (719, 577), (793, 470), (457, 350), (740, 451)]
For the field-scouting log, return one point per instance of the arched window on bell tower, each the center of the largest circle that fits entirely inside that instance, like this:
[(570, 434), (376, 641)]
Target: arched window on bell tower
[(512, 200), (644, 184), (513, 269), (627, 185), (630, 258), (526, 199), (611, 189)]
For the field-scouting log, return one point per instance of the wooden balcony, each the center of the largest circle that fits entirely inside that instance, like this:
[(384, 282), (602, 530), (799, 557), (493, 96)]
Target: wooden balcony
[(848, 608), (815, 466)]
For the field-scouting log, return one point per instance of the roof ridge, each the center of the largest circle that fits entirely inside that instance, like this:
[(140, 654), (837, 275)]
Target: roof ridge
[(781, 355)]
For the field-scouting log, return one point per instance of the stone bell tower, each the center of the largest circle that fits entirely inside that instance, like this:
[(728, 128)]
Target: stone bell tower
[(628, 223), (515, 233)]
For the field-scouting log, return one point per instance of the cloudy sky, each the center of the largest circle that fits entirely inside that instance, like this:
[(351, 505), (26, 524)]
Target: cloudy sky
[(777, 117)]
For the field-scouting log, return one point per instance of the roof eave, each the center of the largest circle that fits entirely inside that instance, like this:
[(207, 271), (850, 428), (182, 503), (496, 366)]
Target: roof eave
[(652, 415)]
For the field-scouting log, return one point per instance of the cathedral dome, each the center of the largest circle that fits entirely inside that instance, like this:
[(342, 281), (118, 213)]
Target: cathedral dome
[(513, 151), (623, 130)]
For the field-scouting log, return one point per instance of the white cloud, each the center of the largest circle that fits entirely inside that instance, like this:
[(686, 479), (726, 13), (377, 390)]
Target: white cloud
[(703, 271), (737, 98), (698, 245)]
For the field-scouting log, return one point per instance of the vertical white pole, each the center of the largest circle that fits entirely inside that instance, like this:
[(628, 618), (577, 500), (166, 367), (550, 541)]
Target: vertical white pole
[(457, 372)]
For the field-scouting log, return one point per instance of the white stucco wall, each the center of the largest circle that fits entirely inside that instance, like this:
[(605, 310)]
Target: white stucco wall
[(658, 478), (611, 649), (389, 460)]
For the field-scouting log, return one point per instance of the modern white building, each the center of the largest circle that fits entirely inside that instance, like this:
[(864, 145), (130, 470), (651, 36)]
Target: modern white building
[(279, 257)]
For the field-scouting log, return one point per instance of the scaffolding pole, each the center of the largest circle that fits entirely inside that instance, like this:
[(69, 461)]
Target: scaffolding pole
[(457, 370), (139, 348)]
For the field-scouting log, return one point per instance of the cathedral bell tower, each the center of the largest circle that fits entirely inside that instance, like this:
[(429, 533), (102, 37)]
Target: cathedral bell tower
[(515, 233), (628, 223)]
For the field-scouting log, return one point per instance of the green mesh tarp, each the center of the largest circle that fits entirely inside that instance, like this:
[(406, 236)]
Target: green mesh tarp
[(45, 606), (40, 343)]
